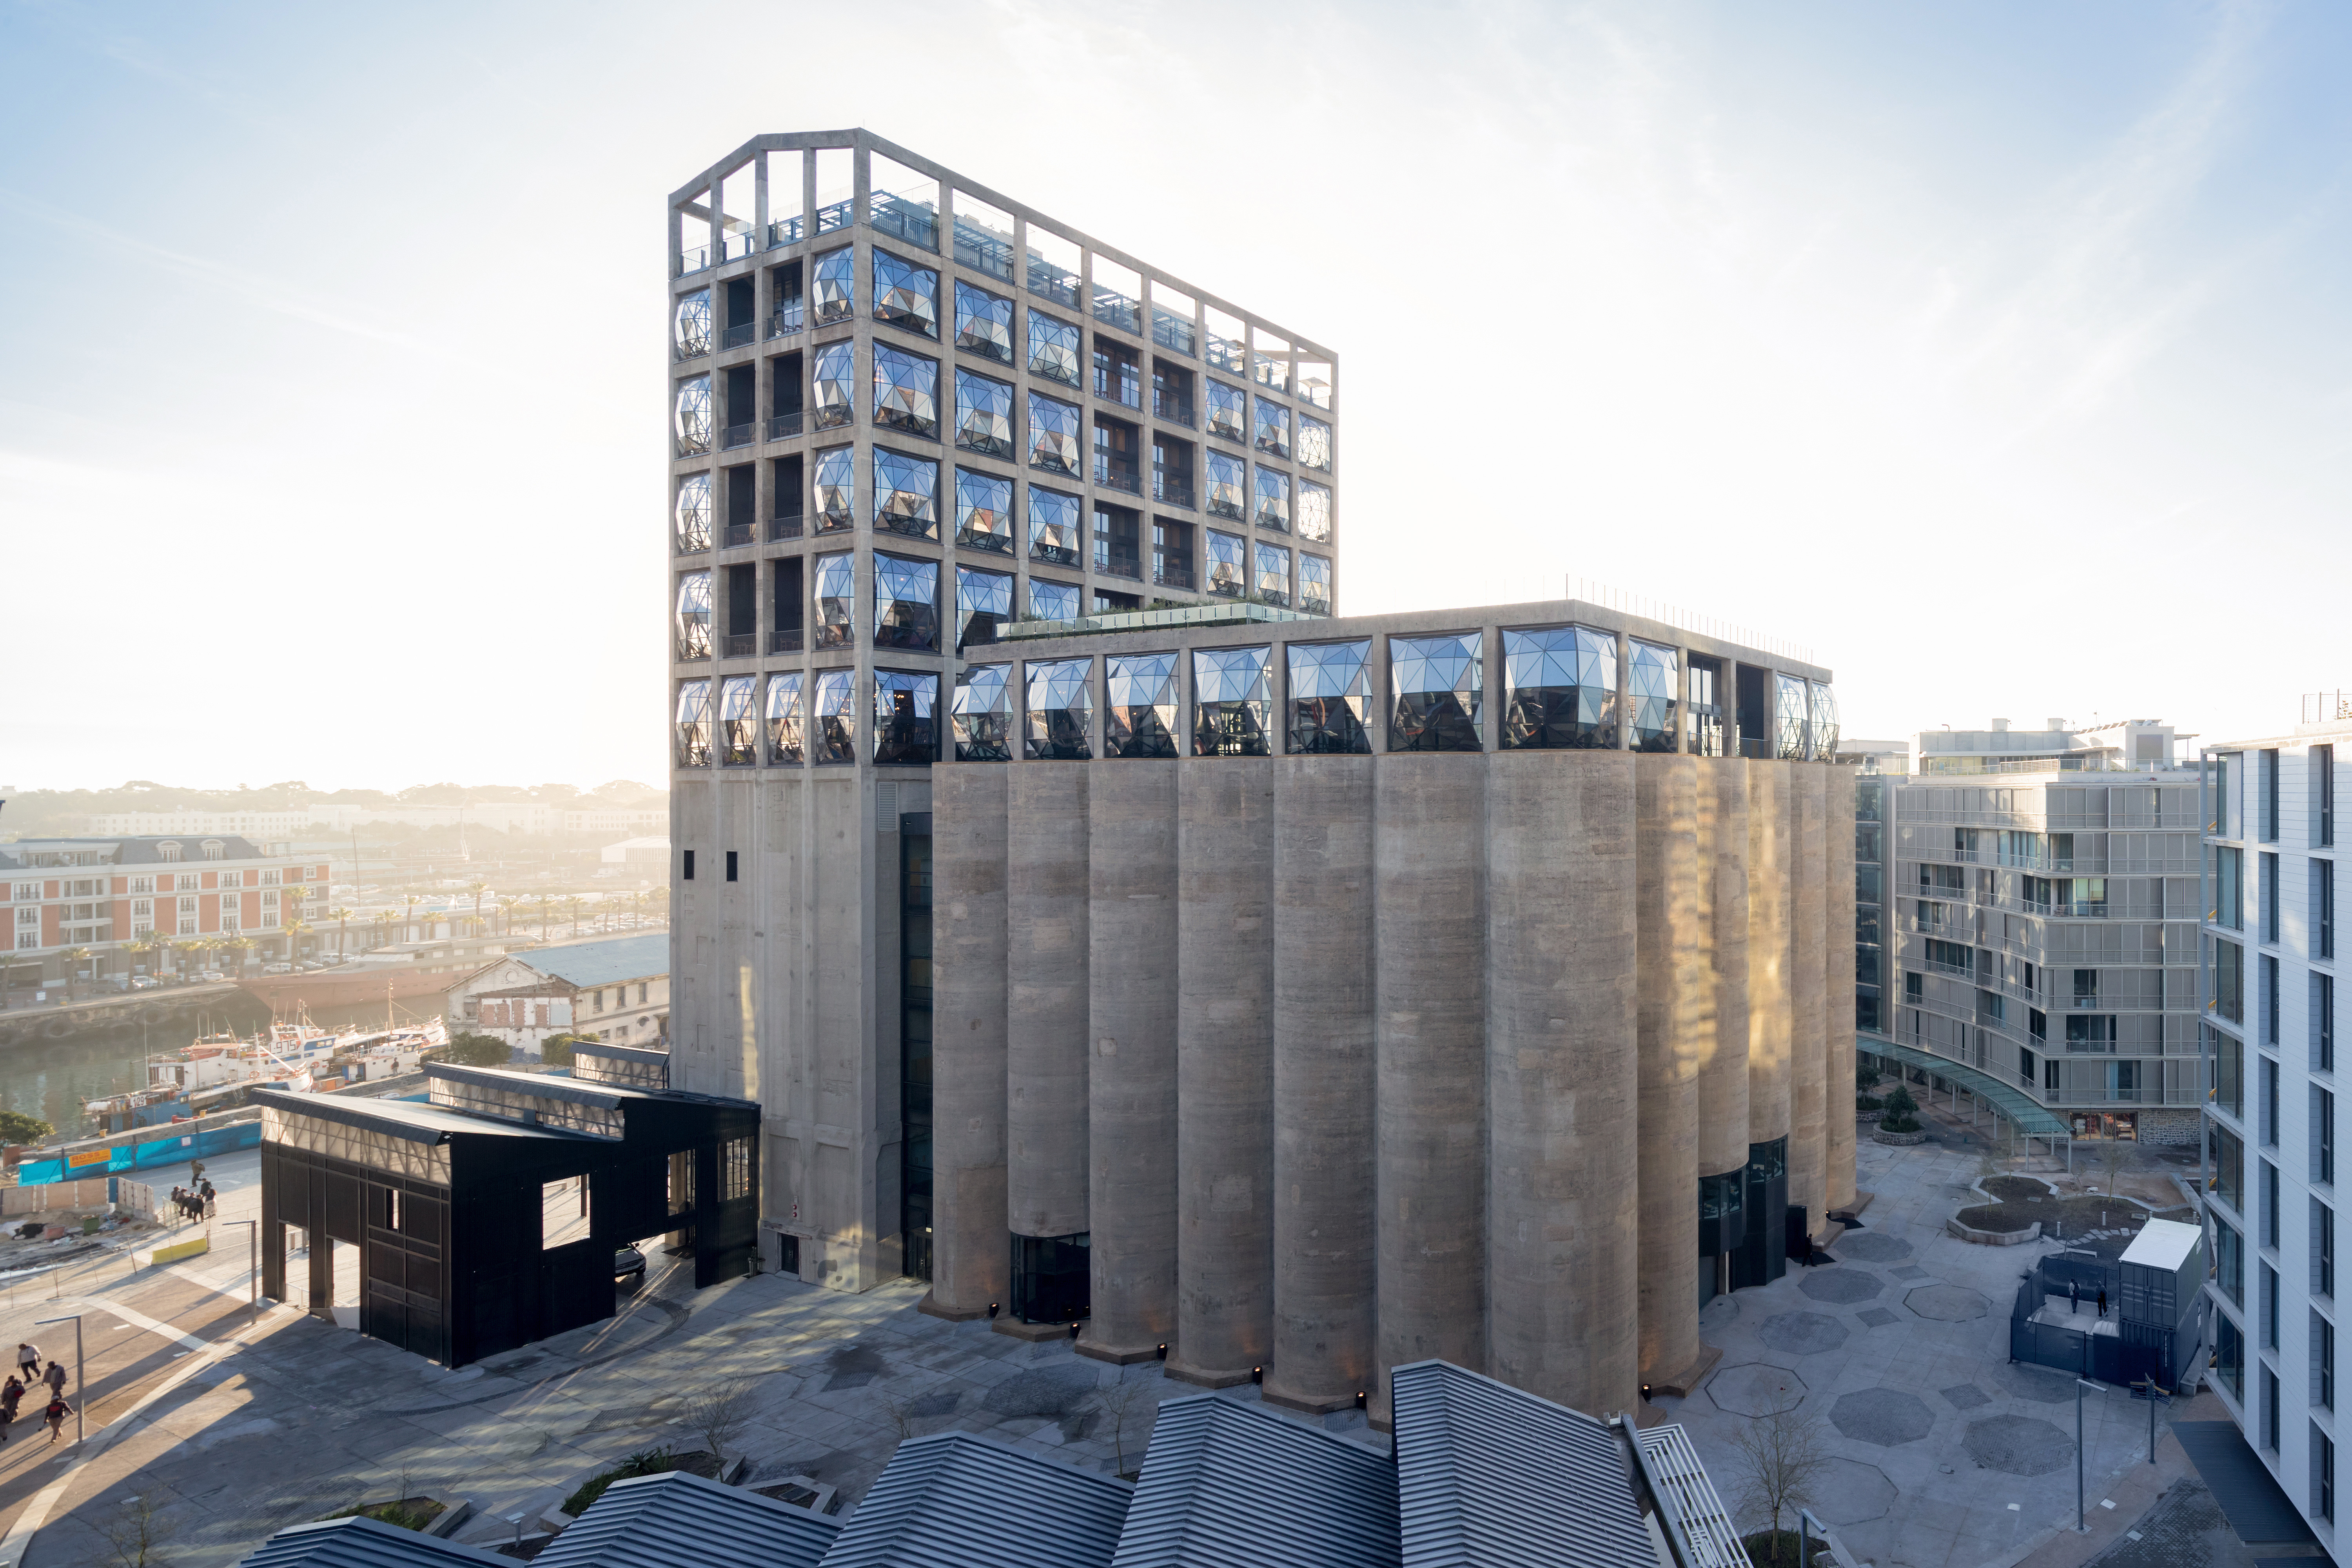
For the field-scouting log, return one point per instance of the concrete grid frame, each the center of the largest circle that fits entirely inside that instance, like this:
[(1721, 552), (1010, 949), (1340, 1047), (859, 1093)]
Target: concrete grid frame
[(791, 977)]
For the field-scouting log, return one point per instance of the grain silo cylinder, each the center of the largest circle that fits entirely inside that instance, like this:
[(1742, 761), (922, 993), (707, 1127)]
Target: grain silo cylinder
[(970, 1258), (1723, 1068), (1769, 892), (1837, 925), (1808, 983), (1675, 1020), (1046, 958)]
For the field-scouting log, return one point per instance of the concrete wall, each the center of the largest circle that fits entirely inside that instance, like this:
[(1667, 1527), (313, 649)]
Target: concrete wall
[(1676, 1025), (971, 1256)]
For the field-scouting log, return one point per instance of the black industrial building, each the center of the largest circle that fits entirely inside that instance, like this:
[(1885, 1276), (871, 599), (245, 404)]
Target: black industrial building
[(487, 1215)]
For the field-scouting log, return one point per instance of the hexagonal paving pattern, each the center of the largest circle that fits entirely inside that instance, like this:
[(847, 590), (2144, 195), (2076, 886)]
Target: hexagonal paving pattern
[(1872, 1246), (1802, 1334), (2018, 1445), (1852, 1492), (1947, 1303), (1887, 1417), (1843, 1286), (1876, 1316), (1754, 1388), (1909, 1271), (1966, 1396)]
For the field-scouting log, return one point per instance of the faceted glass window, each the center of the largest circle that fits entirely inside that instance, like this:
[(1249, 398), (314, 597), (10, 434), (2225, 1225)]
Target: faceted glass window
[(833, 383), (835, 716), (906, 494), (1824, 720), (1139, 705), (694, 724), (1274, 501), (983, 415), (834, 279), (1439, 685), (1230, 698), (692, 417), (906, 391), (983, 716), (690, 324), (906, 602), (784, 718), (1228, 487), (1271, 431), (1314, 443), (1330, 696), (834, 480), (693, 513), (694, 614), (905, 295), (905, 730), (739, 720), (984, 603), (1050, 601), (983, 323), (1559, 689), (1273, 574), (1060, 710), (1789, 716), (1055, 435), (983, 512), (1650, 690), (1053, 349), (1053, 527), (1227, 574), (1226, 413), (1314, 584), (836, 601), (1314, 510)]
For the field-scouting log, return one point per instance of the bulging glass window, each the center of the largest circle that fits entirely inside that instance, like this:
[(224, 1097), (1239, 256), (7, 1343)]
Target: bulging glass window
[(1050, 601), (1230, 699), (1228, 487), (1330, 696), (835, 714), (983, 512), (983, 415), (984, 603), (834, 477), (1273, 500), (983, 716), (834, 281), (905, 295), (1053, 527), (1314, 510), (1438, 685), (694, 614), (1055, 435), (833, 383), (1271, 431), (693, 513), (983, 323), (1822, 722), (1053, 349), (1226, 415), (1139, 705), (1060, 710), (691, 417), (690, 324), (836, 601), (1227, 574), (694, 724), (906, 494), (1650, 691), (1273, 574), (1314, 584), (905, 732), (1789, 716), (738, 721), (784, 718), (1559, 689), (906, 602), (906, 392), (1314, 443)]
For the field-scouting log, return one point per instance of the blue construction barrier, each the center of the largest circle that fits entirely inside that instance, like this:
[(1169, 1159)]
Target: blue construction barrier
[(191, 1140)]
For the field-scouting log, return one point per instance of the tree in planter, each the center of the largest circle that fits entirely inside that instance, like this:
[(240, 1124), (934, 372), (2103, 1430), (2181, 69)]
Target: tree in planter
[(1900, 1111), (1779, 1459), (718, 1414), (138, 1535), (1865, 1078)]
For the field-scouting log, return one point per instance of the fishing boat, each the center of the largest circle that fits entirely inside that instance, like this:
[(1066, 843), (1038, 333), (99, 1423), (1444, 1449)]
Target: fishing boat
[(214, 1071)]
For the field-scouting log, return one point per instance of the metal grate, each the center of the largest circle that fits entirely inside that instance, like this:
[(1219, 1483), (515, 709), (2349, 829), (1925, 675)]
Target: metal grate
[(1675, 1465)]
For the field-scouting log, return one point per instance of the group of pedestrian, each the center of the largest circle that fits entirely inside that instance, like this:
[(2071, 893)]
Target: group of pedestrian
[(28, 1375), (195, 1202)]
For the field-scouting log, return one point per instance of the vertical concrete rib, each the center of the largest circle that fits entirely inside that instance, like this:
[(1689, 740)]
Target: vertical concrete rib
[(1224, 1072), (1677, 1024), (1429, 1050), (1562, 1077), (1723, 1070), (1837, 902), (971, 1263), (1768, 952), (1808, 1043), (1324, 1275), (1131, 1080), (1045, 990)]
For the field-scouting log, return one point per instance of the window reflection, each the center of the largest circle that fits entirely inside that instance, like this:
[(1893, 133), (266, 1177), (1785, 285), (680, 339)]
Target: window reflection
[(1314, 510), (1060, 710), (691, 417), (694, 724), (1789, 716), (1271, 431), (1228, 487), (905, 295), (738, 721), (1054, 436), (983, 415), (1438, 687), (784, 720), (983, 719), (1273, 574), (1053, 349), (835, 716), (1230, 698), (1330, 696), (906, 602), (1559, 689), (834, 281), (1050, 601), (905, 493), (1139, 705), (1053, 526), (906, 391), (904, 702), (693, 513), (694, 614), (983, 323), (835, 480), (1650, 689), (836, 601), (984, 603), (833, 379), (1314, 584), (1821, 724), (983, 512), (690, 325), (1227, 573), (1226, 417), (1273, 500)]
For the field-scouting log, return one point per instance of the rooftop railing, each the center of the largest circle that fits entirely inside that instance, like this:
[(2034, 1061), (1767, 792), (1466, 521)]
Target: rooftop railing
[(786, 231), (982, 250), (1053, 282), (1114, 309), (1171, 332), (914, 222), (693, 260), (735, 337), (836, 216)]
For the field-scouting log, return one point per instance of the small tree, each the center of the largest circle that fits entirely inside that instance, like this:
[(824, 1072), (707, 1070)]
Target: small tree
[(1119, 1403), (719, 1413), (137, 1536), (1779, 1456), (556, 1050), (475, 1051), (341, 915), (1900, 1111), (75, 959), (15, 1126)]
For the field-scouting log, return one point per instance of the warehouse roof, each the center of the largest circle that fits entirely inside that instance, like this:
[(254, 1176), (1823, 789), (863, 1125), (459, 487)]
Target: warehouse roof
[(1236, 1484), (360, 1543), (646, 1521), (588, 964)]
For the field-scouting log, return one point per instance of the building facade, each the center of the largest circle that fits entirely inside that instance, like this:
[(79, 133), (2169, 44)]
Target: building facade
[(904, 413), (616, 990), (112, 896), (2272, 1023)]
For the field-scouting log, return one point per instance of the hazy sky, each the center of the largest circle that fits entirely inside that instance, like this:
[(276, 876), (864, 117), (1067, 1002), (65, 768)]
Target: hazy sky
[(1974, 346)]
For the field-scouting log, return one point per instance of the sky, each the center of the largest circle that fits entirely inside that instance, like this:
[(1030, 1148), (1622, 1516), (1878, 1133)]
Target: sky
[(1995, 352)]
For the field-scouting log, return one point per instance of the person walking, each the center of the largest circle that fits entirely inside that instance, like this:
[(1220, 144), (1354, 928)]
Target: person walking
[(2102, 1303), (12, 1394), (28, 1362), (211, 1197), (55, 1378), (2074, 1295), (56, 1416)]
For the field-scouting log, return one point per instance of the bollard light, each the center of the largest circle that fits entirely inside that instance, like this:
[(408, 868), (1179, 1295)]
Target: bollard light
[(1361, 1401), (991, 1308), (1163, 1350), (1257, 1375)]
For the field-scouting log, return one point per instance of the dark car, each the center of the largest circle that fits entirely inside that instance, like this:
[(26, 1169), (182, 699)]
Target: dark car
[(628, 1263)]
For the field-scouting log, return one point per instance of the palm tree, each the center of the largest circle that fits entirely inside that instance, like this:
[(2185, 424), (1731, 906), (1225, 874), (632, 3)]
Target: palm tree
[(341, 915), (478, 890), (571, 907), (507, 908), (546, 903), (294, 929), (243, 945), (75, 959), (410, 900)]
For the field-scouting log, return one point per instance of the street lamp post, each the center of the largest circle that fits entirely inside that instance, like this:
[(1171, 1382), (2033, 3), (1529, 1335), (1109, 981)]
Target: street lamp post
[(82, 1391), (2082, 1525), (252, 1264)]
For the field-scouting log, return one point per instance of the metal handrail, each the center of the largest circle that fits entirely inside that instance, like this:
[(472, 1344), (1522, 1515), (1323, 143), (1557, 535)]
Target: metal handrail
[(735, 435), (783, 526), (735, 337), (738, 533), (740, 645), (781, 426), (1172, 576), (1173, 409), (1171, 332), (1172, 491), (1127, 480), (785, 231), (785, 639)]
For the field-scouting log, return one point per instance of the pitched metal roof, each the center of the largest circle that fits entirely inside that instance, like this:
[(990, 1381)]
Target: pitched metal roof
[(602, 963), (358, 1542), (954, 1501), (666, 1520), (1490, 1475), (1231, 1484)]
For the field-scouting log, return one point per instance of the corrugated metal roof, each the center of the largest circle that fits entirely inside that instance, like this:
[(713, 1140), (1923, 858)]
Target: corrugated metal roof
[(954, 1501), (365, 1543), (674, 1519), (1234, 1484), (1488, 1474), (602, 963)]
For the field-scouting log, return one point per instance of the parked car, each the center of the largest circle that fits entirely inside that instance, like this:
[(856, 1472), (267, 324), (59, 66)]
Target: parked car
[(144, 983), (276, 969), (628, 1263), (210, 974)]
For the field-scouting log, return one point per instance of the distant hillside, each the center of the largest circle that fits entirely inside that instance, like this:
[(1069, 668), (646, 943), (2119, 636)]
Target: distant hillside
[(35, 813)]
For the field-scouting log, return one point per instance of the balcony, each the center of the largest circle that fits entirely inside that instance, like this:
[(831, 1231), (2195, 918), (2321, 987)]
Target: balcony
[(693, 260), (1172, 490), (738, 244), (982, 251), (1172, 575), (786, 231), (737, 337), (782, 527), (788, 319), (739, 644), (836, 216), (1052, 555), (740, 533), (910, 221), (976, 539), (785, 639), (1049, 281), (783, 426), (1118, 477), (1171, 408), (1171, 332), (1124, 388), (1118, 563), (1115, 310), (737, 435)]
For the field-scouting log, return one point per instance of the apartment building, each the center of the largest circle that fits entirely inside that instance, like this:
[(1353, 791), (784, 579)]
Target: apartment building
[(2272, 1027), (270, 826), (103, 895)]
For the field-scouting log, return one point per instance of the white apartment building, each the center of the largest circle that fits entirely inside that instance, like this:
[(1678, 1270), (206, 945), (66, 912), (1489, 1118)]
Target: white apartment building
[(2271, 956), (269, 827)]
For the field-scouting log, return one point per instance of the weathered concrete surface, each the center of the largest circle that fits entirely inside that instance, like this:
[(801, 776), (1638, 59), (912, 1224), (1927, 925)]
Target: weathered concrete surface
[(1046, 1047), (1838, 939), (971, 1261), (1675, 1020), (1723, 1069), (1770, 1016), (1808, 1037)]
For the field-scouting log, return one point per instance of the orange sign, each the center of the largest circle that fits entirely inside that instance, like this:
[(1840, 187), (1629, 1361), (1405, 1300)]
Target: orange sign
[(88, 1157)]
